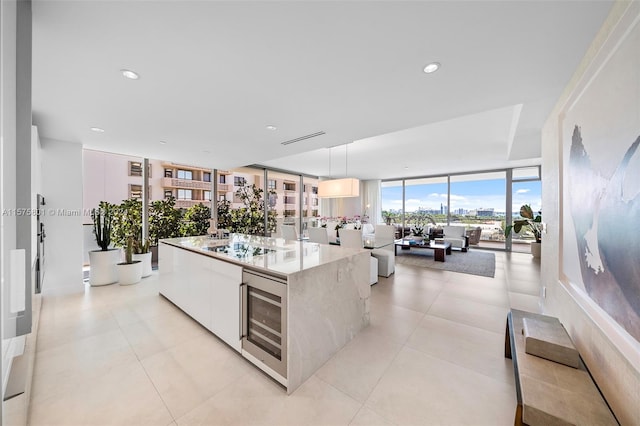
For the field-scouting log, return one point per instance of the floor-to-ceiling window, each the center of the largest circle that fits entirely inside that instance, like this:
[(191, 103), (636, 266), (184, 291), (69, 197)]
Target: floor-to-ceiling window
[(392, 204), (526, 189), (288, 198), (425, 203), (285, 198), (478, 202), (310, 203)]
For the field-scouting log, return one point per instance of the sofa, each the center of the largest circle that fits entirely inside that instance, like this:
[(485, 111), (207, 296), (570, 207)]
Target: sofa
[(456, 236)]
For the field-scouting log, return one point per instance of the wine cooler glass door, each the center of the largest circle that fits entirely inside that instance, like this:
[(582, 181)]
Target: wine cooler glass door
[(264, 320)]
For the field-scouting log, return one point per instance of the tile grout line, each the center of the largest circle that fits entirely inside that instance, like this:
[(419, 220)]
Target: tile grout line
[(146, 373), (402, 346)]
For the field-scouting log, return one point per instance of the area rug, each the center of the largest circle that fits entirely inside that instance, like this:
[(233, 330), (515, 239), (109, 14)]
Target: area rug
[(473, 262)]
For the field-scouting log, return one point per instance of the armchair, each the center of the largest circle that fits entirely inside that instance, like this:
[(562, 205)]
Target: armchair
[(474, 235), (456, 236)]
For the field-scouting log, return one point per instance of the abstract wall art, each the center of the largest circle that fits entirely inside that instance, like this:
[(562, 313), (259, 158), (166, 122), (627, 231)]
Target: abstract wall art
[(601, 187)]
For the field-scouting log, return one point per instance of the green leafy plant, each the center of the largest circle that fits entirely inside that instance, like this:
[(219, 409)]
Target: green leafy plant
[(249, 219), (224, 214), (102, 222), (529, 220), (195, 220), (164, 220), (387, 216), (127, 221), (418, 230)]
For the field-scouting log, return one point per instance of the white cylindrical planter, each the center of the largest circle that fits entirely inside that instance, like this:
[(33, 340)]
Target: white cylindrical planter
[(102, 269), (536, 249), (129, 273), (145, 258)]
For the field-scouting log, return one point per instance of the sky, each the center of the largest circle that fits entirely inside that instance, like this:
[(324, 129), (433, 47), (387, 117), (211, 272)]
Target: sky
[(467, 195)]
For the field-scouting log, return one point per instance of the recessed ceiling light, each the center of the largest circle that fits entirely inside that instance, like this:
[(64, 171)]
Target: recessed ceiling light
[(206, 151), (432, 67), (130, 74), (271, 127), (163, 142), (97, 129), (406, 167)]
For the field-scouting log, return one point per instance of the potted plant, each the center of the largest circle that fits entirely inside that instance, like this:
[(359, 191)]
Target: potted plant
[(387, 217), (531, 222), (164, 222), (142, 252), (103, 262), (417, 232), (129, 271)]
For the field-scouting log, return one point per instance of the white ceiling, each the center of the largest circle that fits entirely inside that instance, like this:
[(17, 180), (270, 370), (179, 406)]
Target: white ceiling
[(215, 74)]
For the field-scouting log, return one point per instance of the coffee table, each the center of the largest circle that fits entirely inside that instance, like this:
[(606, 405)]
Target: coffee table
[(439, 249)]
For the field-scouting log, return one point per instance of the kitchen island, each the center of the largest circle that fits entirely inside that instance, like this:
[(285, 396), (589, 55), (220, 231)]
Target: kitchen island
[(286, 306)]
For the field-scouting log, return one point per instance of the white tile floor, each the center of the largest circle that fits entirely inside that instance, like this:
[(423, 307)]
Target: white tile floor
[(433, 354)]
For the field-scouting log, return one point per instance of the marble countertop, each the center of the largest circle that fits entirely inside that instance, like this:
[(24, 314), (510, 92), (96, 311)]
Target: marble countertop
[(275, 255)]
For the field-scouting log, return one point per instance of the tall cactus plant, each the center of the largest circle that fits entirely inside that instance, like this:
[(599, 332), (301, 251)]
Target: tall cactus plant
[(102, 225)]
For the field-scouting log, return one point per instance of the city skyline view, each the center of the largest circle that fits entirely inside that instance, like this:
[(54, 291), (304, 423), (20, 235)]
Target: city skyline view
[(465, 195)]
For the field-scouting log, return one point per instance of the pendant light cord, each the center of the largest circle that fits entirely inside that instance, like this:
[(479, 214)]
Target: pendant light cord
[(346, 160)]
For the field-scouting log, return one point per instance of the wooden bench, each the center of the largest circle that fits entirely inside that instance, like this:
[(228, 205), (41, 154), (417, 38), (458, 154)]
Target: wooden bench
[(550, 393)]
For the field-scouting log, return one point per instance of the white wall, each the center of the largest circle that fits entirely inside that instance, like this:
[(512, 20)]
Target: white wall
[(7, 170), (106, 178), (36, 187), (62, 189), (612, 356), (8, 158)]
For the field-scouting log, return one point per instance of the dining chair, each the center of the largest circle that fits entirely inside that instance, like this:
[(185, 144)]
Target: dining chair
[(289, 232), (386, 255), (352, 238), (318, 235), (386, 233)]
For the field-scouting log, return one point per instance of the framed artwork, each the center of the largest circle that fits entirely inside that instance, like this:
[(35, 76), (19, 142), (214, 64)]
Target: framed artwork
[(600, 223)]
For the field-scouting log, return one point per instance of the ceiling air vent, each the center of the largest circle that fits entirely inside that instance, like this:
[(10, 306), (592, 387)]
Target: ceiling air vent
[(301, 138)]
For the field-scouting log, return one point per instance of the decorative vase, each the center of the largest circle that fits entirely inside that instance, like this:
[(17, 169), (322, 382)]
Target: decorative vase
[(536, 250), (102, 269), (129, 273), (145, 258)]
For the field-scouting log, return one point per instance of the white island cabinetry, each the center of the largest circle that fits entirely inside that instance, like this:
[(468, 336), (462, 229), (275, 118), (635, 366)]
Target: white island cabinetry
[(225, 301), (299, 304), (206, 288)]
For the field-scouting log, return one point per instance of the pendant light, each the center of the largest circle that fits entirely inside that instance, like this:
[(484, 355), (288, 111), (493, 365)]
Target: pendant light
[(339, 188)]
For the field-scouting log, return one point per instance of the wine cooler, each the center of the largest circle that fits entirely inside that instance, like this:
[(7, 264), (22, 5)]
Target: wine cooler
[(264, 319)]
